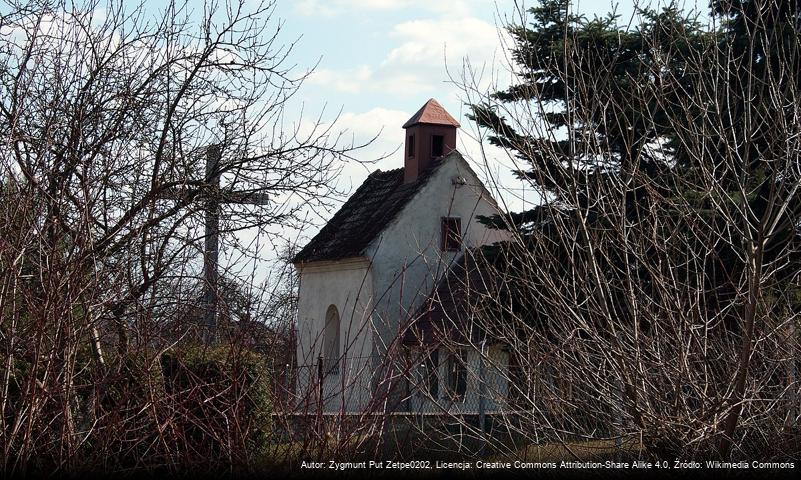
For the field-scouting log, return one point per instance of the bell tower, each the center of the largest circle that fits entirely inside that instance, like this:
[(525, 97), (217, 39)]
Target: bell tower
[(430, 134)]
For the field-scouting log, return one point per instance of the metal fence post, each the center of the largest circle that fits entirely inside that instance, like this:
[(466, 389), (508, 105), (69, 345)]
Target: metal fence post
[(482, 394), (320, 392), (622, 405)]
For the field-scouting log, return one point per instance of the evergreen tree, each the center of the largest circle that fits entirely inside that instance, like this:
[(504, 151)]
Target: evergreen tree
[(560, 55), (666, 156)]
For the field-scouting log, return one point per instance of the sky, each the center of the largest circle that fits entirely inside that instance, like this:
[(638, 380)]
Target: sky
[(379, 61), (376, 62), (373, 64)]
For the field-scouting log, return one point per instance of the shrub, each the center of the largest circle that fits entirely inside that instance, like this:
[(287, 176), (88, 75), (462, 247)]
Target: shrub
[(220, 401)]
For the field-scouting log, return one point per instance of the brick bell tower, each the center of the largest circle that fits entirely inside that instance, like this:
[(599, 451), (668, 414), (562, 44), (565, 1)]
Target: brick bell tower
[(430, 134)]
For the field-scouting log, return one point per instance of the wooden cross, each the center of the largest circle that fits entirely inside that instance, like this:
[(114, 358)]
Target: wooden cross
[(211, 250)]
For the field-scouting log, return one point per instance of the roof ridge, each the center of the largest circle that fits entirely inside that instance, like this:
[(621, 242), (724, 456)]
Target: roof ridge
[(368, 212)]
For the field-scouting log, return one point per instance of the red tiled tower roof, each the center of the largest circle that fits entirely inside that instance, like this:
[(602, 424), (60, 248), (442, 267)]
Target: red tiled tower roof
[(431, 113)]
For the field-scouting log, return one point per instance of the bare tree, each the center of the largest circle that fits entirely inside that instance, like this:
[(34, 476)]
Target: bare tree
[(652, 295), (108, 114)]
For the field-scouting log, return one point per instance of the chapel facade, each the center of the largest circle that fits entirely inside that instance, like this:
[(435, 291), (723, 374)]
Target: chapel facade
[(370, 270)]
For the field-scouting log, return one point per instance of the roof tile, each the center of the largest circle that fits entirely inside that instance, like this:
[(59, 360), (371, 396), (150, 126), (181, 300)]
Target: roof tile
[(431, 113), (365, 215)]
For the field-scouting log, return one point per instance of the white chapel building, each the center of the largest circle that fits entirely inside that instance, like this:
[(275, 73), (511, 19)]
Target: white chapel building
[(373, 265)]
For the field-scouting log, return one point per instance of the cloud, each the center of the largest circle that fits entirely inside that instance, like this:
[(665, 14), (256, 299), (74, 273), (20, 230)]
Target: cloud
[(383, 127), (336, 7), (427, 41), (363, 79), (420, 55), (385, 152), (315, 7), (350, 80), (371, 121), (418, 63)]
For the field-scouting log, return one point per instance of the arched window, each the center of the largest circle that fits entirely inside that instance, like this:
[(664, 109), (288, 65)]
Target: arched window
[(457, 375), (331, 340)]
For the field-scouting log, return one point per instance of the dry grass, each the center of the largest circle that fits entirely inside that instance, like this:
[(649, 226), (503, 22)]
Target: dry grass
[(587, 450)]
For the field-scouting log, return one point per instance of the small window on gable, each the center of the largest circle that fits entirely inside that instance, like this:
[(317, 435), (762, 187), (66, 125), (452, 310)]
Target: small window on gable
[(451, 234), (437, 146), (410, 146)]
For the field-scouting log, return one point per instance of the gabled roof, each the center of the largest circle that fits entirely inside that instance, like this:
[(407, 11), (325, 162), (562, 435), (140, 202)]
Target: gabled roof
[(365, 215), (431, 113)]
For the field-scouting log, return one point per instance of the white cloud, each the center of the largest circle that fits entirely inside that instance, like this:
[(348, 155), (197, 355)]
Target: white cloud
[(315, 7), (378, 4), (428, 41), (418, 64), (371, 121), (492, 164), (420, 56), (349, 81), (336, 7), (380, 126), (364, 79), (383, 127)]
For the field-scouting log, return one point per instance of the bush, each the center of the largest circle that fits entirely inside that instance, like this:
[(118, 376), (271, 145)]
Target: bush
[(222, 405), (191, 409)]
